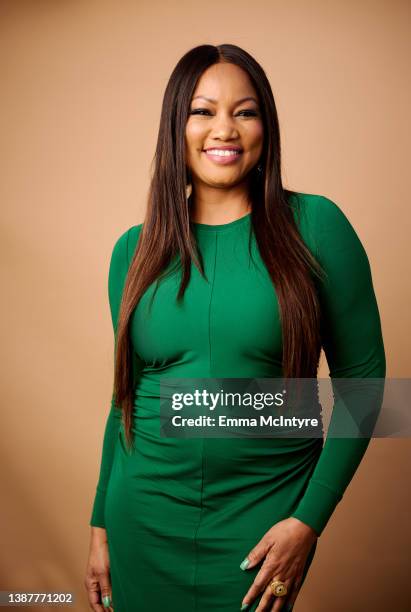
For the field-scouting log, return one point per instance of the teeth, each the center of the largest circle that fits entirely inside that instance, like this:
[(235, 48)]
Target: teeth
[(223, 153)]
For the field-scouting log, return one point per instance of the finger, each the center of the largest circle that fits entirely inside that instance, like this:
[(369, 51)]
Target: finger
[(289, 604), (105, 589), (268, 569), (256, 554), (292, 595), (93, 593), (280, 603), (269, 601), (266, 601)]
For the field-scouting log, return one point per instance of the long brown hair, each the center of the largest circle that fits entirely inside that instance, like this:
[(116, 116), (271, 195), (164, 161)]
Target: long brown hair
[(167, 233)]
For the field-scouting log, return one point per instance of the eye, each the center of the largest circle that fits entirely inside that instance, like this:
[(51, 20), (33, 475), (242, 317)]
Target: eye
[(198, 111), (201, 111)]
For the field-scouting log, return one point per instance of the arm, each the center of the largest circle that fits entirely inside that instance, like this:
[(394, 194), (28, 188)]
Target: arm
[(354, 348), (119, 264)]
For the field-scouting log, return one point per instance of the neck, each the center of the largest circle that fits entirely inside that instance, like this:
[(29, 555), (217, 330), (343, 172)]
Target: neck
[(217, 206)]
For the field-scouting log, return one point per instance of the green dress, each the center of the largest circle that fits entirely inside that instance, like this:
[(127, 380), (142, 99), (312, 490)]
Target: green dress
[(181, 514)]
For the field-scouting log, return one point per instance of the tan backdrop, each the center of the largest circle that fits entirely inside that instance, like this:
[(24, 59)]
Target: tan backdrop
[(82, 84)]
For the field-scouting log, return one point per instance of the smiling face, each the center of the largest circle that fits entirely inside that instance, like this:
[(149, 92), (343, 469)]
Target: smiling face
[(222, 119)]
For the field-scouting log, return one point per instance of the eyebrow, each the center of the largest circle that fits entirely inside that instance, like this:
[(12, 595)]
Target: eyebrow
[(238, 101)]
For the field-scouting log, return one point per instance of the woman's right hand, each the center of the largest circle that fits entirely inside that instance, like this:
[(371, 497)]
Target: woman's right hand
[(97, 580)]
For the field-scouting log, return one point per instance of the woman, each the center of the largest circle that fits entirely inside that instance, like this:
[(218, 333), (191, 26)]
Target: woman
[(197, 524)]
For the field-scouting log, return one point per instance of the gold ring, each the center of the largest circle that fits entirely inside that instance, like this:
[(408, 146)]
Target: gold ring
[(278, 588)]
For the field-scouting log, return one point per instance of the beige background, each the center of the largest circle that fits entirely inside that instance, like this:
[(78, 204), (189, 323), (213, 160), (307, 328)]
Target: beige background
[(82, 84)]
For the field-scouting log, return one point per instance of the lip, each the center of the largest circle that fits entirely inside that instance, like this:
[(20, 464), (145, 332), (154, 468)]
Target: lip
[(225, 147), (226, 159)]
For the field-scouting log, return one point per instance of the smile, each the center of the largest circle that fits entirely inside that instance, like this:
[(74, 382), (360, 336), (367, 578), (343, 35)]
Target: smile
[(223, 156)]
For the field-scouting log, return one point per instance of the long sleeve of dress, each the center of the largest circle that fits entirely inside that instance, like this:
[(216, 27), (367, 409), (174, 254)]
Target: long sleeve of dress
[(353, 345), (119, 264)]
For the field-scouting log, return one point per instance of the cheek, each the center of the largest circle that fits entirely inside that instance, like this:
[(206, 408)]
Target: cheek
[(194, 139), (255, 135), (194, 134)]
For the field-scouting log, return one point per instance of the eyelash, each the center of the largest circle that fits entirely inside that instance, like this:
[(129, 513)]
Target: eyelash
[(197, 111)]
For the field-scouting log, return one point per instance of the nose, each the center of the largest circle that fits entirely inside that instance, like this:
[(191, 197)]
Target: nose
[(223, 126)]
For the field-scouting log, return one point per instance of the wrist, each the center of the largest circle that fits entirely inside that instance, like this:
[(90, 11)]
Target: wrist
[(304, 527), (98, 533)]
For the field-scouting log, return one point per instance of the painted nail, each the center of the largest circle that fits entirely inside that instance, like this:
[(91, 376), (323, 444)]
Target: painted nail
[(244, 606), (244, 564), (106, 601)]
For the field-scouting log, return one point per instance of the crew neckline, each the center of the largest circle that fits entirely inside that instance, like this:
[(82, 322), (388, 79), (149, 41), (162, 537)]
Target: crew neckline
[(207, 227)]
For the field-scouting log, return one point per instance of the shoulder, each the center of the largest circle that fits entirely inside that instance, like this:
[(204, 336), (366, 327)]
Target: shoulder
[(316, 208), (121, 256), (125, 245), (322, 221)]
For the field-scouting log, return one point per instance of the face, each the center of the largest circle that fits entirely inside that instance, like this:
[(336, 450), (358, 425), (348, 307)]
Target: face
[(221, 119)]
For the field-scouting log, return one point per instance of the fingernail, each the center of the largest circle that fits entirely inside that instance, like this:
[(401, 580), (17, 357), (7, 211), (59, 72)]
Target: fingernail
[(244, 564), (106, 601), (244, 606)]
